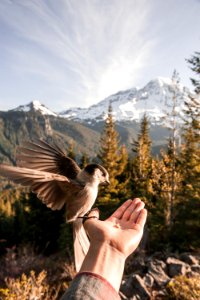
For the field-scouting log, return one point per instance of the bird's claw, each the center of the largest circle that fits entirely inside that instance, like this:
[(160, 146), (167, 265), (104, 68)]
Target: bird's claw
[(86, 216)]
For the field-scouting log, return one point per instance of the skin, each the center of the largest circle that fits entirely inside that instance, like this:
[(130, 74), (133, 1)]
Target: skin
[(113, 240)]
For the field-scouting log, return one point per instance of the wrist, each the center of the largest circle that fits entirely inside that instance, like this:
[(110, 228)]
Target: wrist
[(105, 260)]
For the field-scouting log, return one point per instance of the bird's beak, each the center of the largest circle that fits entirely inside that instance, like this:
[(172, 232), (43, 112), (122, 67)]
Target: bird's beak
[(105, 183)]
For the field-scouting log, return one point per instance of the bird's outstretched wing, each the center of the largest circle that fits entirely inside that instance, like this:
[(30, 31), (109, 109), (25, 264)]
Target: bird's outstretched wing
[(54, 190), (44, 157)]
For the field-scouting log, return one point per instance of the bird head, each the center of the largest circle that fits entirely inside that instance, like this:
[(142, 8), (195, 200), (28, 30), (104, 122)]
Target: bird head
[(96, 173)]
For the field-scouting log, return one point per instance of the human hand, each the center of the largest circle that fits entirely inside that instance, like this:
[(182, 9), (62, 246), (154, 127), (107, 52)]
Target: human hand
[(122, 231)]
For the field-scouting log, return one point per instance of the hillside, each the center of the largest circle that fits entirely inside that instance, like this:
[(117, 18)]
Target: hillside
[(18, 126)]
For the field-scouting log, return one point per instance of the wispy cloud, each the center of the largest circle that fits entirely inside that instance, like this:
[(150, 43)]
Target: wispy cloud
[(80, 51), (90, 48)]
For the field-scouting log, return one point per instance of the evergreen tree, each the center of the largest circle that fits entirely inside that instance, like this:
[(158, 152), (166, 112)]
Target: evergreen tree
[(141, 168), (71, 152), (194, 62), (84, 160), (112, 157), (42, 225), (190, 159), (190, 152), (162, 209), (124, 174), (188, 206), (168, 183), (171, 119)]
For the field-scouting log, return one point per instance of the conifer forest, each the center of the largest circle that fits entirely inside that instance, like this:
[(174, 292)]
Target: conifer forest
[(36, 245)]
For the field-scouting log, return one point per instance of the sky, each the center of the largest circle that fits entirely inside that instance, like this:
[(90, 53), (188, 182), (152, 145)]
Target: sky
[(74, 53)]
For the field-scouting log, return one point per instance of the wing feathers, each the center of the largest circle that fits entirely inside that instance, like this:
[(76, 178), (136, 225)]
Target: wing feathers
[(54, 190), (50, 188), (47, 170), (44, 157), (42, 146), (17, 173)]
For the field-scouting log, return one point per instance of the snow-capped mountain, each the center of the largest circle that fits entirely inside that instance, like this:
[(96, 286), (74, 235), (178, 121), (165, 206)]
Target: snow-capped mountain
[(37, 121), (35, 106), (155, 99)]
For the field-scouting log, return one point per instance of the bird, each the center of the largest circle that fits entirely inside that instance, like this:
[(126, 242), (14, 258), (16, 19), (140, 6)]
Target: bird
[(58, 181)]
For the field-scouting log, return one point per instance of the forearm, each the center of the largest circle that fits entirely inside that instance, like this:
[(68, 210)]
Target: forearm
[(106, 261), (111, 242)]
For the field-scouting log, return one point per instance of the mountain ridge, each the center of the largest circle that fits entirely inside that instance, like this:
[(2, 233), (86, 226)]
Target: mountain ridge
[(81, 127), (128, 105)]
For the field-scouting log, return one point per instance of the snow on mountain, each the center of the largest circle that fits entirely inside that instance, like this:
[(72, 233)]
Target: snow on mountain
[(155, 99), (35, 106)]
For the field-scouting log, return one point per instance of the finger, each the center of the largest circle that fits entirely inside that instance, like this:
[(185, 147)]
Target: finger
[(139, 206), (120, 211), (141, 219), (130, 209)]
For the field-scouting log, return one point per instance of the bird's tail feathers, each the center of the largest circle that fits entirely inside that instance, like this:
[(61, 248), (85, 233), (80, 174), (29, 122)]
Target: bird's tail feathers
[(81, 243)]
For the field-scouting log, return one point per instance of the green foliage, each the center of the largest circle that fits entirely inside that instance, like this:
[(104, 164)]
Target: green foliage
[(184, 288), (65, 239), (31, 222), (71, 152), (42, 225), (84, 160), (190, 151), (186, 228)]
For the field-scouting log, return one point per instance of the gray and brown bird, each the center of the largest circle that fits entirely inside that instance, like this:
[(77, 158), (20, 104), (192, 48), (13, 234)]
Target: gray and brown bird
[(57, 180)]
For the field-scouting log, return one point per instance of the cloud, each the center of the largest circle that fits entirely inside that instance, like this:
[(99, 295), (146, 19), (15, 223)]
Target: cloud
[(86, 48), (76, 52)]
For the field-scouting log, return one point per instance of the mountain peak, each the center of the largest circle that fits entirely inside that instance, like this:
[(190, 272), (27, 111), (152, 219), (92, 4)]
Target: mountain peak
[(35, 105), (154, 99)]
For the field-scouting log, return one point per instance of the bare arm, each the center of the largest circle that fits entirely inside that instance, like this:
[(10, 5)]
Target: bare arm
[(113, 240)]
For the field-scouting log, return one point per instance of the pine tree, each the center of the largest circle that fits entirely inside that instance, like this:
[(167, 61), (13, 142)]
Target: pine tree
[(190, 159), (124, 174), (141, 172), (190, 154), (112, 157), (84, 160), (194, 62), (169, 183), (71, 152), (188, 209), (171, 119)]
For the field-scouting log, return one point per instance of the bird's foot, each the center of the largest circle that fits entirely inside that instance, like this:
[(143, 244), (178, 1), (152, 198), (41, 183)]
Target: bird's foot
[(87, 215)]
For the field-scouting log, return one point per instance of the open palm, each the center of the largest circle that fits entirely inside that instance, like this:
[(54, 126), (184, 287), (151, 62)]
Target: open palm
[(122, 230)]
